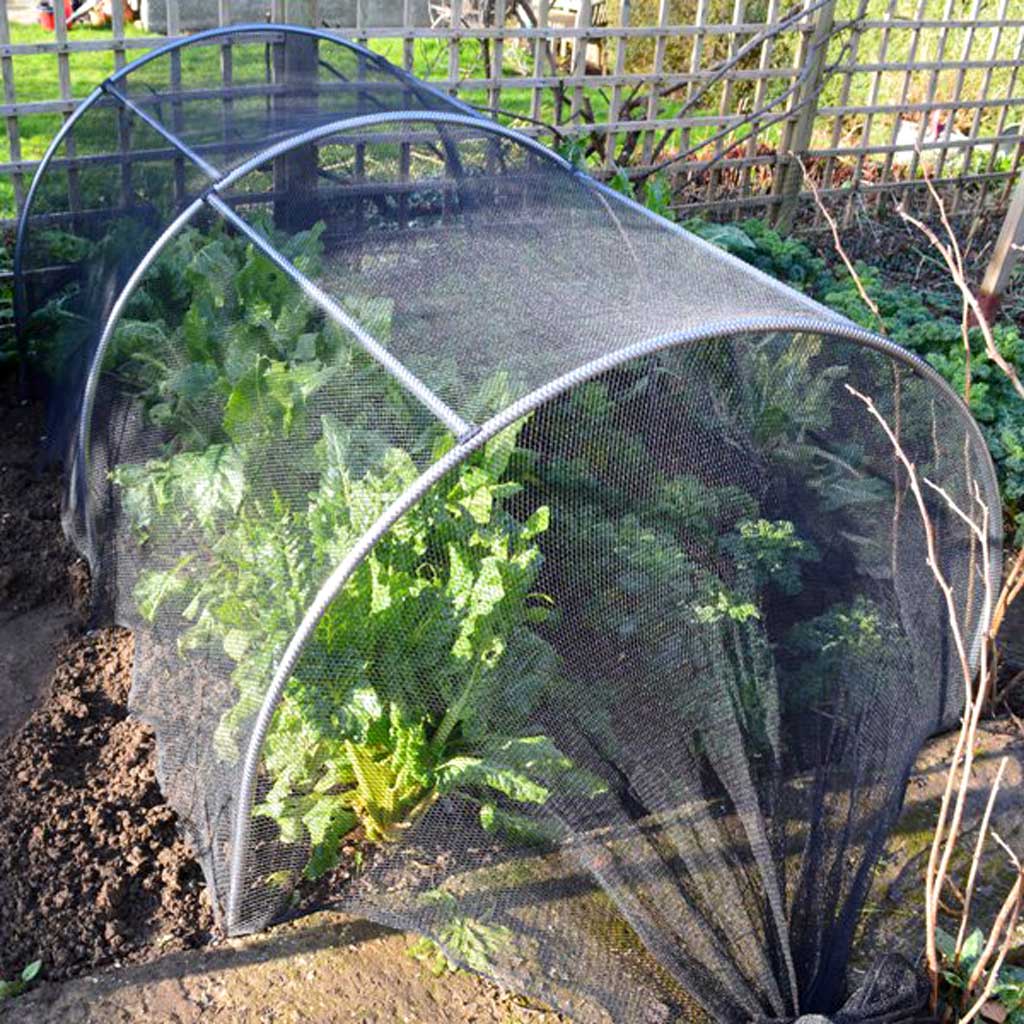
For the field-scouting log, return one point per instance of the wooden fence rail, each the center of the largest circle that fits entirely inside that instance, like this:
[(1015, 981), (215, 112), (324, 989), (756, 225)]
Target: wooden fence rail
[(720, 95)]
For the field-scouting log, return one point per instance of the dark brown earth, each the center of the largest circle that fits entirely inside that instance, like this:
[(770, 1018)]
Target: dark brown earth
[(91, 865), (42, 586), (34, 557)]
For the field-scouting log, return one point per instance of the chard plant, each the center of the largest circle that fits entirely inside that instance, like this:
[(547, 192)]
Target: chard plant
[(422, 676)]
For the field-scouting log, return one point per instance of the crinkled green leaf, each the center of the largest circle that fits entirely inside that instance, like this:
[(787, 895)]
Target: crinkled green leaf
[(156, 586)]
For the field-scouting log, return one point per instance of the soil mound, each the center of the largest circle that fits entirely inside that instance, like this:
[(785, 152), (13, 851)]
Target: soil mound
[(92, 868)]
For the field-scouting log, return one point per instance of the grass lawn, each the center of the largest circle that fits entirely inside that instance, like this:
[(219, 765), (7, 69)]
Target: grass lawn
[(36, 74), (35, 80)]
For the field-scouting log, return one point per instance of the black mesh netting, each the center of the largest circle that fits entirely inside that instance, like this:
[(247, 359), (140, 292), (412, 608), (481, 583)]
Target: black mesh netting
[(504, 563)]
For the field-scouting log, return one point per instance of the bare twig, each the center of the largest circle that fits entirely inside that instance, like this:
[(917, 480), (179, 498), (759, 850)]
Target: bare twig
[(836, 241), (993, 975), (965, 912), (1004, 928), (953, 258), (1011, 590), (950, 823)]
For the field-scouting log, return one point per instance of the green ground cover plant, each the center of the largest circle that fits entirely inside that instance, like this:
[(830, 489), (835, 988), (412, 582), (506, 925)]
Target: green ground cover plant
[(1007, 992), (925, 321), (28, 974)]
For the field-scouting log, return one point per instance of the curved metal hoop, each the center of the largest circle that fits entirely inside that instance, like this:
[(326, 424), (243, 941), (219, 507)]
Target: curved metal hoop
[(177, 44), (80, 465), (816, 320), (332, 586)]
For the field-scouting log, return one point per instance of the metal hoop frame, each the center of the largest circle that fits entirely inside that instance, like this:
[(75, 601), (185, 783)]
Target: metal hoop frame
[(254, 28), (817, 319)]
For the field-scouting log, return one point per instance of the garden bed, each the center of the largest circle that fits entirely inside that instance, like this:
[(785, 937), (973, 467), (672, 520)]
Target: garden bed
[(93, 870), (91, 866)]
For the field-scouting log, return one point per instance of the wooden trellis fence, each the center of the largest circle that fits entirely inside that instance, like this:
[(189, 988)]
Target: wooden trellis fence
[(723, 95)]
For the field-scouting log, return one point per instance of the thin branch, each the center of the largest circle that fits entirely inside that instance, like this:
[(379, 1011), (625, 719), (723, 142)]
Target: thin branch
[(1009, 910), (837, 242), (953, 259), (976, 859), (755, 117), (1011, 590), (944, 840), (993, 976)]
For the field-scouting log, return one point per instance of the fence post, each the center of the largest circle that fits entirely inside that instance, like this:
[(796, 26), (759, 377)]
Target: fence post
[(295, 173), (1006, 253), (807, 104)]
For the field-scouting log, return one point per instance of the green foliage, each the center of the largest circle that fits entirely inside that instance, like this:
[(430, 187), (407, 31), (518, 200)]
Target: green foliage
[(218, 327), (655, 193), (726, 606), (573, 150), (842, 632), (852, 641), (461, 940), (927, 322), (622, 183), (420, 678), (658, 196), (29, 973), (683, 570), (1008, 991), (406, 687), (772, 552), (786, 258)]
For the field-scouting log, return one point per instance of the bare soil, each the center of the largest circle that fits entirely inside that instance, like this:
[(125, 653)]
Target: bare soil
[(91, 865), (42, 586), (326, 969)]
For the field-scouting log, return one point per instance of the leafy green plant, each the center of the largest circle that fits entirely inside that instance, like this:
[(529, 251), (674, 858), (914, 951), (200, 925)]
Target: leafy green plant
[(926, 322), (422, 674), (772, 552), (416, 670), (658, 196), (461, 940), (850, 640), (1008, 991), (784, 257), (28, 974)]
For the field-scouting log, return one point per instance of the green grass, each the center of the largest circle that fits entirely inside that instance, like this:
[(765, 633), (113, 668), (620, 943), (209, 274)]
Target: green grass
[(35, 80), (36, 75)]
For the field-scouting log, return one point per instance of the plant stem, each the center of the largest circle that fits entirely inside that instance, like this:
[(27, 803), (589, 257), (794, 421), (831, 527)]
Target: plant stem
[(453, 715)]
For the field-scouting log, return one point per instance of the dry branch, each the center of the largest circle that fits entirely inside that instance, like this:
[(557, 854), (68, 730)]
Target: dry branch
[(837, 242)]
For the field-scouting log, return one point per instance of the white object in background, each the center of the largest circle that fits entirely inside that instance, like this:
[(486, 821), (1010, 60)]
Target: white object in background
[(909, 137)]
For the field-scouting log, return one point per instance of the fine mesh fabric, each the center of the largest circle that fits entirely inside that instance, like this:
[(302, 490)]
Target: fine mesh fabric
[(114, 182), (504, 563)]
